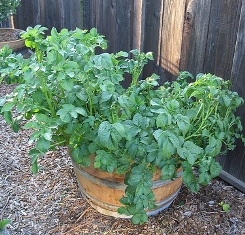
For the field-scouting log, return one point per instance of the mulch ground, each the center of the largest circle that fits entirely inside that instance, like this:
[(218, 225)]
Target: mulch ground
[(50, 202), (9, 35)]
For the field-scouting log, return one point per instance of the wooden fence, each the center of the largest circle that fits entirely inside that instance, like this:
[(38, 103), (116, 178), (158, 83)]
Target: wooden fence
[(49, 13), (200, 36)]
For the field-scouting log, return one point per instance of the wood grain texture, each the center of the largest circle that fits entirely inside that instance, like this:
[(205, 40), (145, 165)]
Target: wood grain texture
[(68, 18), (124, 25), (152, 34), (234, 163), (87, 14), (220, 45), (195, 35), (28, 14), (49, 13), (172, 33), (94, 181), (108, 23), (138, 24)]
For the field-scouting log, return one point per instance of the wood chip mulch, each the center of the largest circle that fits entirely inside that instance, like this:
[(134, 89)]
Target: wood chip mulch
[(9, 35), (50, 202)]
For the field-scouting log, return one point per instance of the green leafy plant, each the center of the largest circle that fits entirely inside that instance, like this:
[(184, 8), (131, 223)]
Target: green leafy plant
[(225, 206), (70, 96), (3, 223), (8, 7)]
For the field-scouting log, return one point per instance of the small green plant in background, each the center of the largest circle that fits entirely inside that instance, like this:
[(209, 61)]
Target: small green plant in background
[(225, 206), (8, 7)]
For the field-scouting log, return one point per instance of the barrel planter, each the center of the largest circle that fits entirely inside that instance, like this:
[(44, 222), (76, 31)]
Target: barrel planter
[(11, 38), (103, 190)]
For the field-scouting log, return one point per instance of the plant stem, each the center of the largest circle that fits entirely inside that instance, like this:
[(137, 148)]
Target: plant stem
[(90, 104), (201, 125), (48, 95)]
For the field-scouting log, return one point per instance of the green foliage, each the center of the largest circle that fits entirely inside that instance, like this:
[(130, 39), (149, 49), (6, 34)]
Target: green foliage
[(70, 96), (8, 7), (225, 206), (3, 223)]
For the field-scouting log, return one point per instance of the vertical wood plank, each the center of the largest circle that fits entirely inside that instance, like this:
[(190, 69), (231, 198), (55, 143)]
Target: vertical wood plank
[(97, 14), (124, 29), (138, 24), (64, 15), (49, 13), (151, 34), (53, 17), (124, 20), (42, 13), (71, 14), (7, 23), (152, 29), (108, 23), (223, 26), (95, 9), (195, 35), (114, 20), (87, 14), (28, 14), (234, 163), (172, 33), (238, 67), (164, 74)]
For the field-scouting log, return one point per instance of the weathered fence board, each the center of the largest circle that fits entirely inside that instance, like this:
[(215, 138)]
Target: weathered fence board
[(171, 35), (234, 163), (223, 26), (194, 35), (6, 24), (123, 25), (49, 13), (153, 14), (28, 14), (112, 19)]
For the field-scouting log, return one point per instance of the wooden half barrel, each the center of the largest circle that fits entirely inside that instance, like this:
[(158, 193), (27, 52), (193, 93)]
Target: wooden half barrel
[(103, 190), (14, 44)]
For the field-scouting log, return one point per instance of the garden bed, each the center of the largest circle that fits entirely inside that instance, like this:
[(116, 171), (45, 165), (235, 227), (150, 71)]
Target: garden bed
[(51, 203)]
